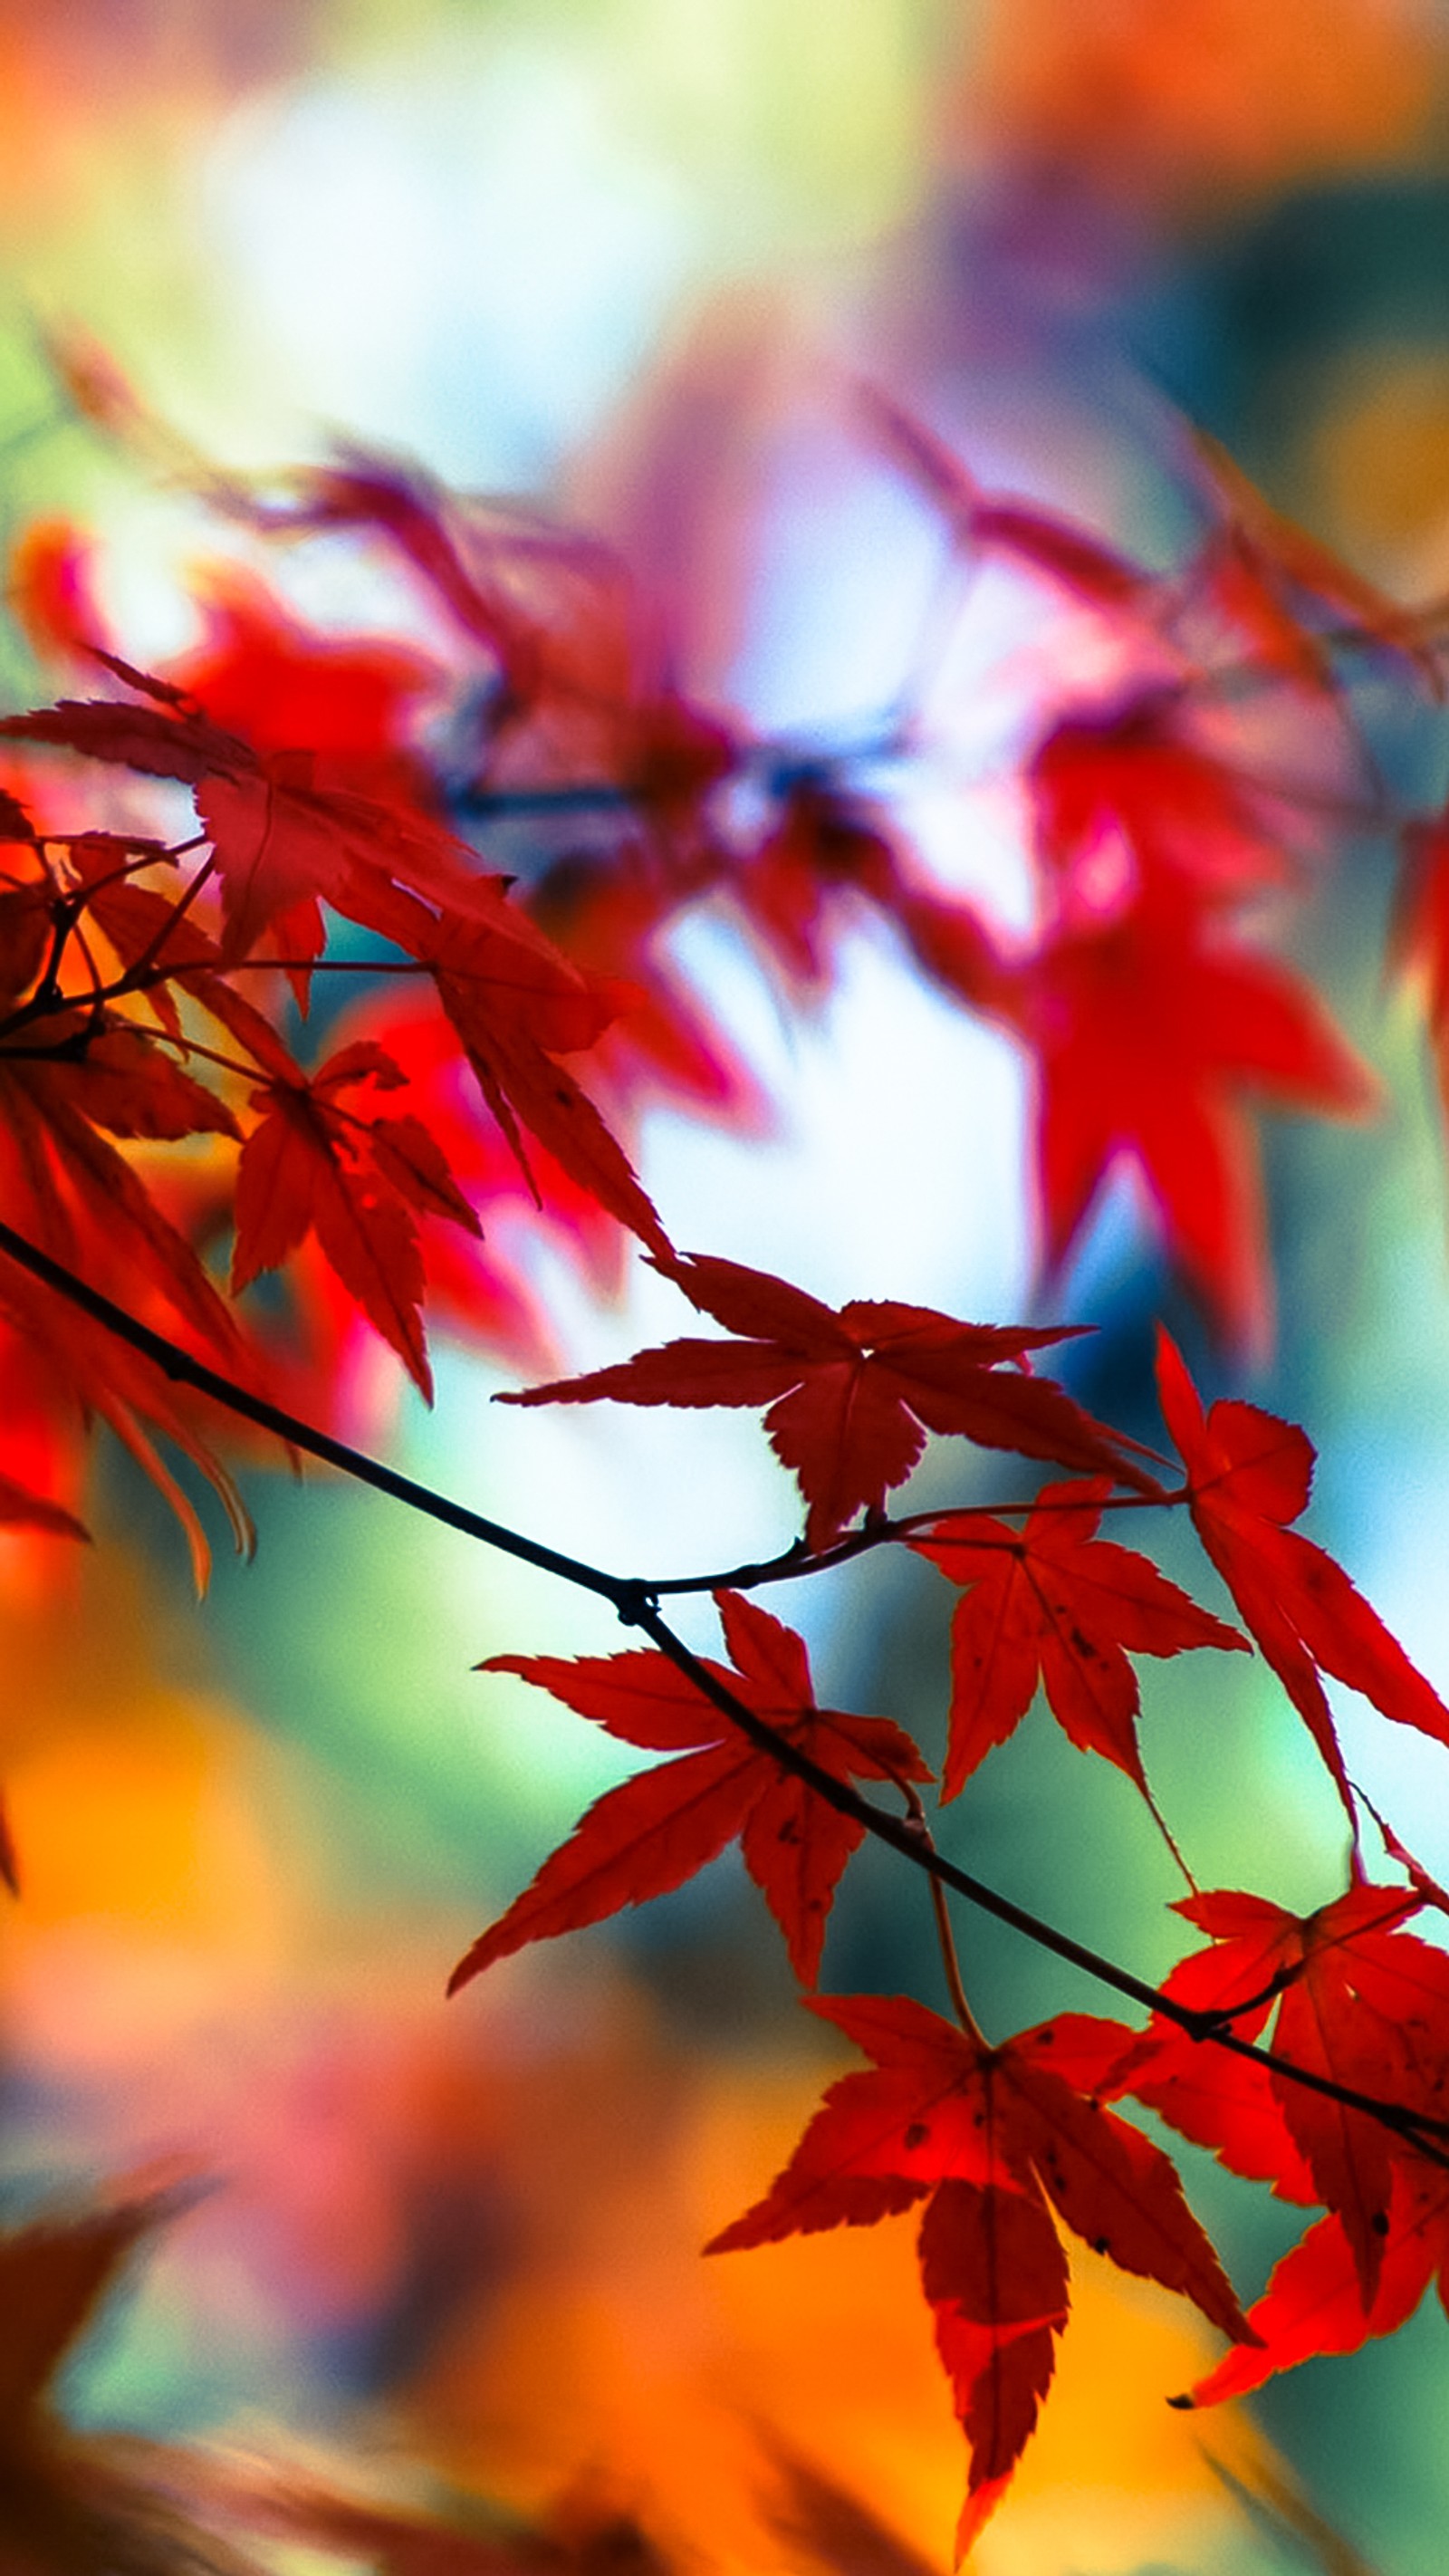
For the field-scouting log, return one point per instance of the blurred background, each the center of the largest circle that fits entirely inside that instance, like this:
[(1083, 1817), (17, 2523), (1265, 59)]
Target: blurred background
[(622, 256)]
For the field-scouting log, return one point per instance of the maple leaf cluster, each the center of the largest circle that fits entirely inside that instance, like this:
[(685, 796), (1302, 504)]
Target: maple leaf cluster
[(996, 2139), (483, 852)]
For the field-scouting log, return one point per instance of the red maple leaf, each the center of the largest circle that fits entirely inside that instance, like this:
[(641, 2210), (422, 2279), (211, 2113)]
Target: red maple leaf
[(1153, 1026), (1377, 2014), (1054, 1603), (992, 2139), (821, 847), (852, 1394), (517, 1005), (477, 1283), (74, 1369), (262, 675), (1137, 768), (287, 826), (1354, 1999), (1222, 2101), (657, 1829), (1314, 2302), (290, 829), (70, 1078), (608, 911), (1248, 1476), (355, 1178)]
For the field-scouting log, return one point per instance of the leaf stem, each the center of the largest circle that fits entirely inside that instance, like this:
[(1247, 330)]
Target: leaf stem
[(796, 1560), (945, 1937)]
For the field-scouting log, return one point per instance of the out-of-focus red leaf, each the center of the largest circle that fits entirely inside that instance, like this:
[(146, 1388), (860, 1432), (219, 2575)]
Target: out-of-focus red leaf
[(75, 1368), (1152, 1028), (1139, 770), (579, 2540), (1036, 538), (609, 913), (34, 1511), (1420, 939), (819, 849), (79, 2504), (1305, 565), (583, 692), (276, 684)]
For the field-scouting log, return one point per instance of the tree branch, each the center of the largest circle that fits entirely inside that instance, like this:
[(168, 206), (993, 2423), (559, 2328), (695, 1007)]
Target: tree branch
[(637, 1607)]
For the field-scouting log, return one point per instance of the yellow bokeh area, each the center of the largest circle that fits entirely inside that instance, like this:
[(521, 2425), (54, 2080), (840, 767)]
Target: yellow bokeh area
[(1380, 462)]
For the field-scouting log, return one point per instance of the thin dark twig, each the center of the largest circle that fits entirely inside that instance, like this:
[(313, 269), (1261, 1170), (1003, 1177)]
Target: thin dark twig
[(637, 1608), (180, 1366), (797, 1560)]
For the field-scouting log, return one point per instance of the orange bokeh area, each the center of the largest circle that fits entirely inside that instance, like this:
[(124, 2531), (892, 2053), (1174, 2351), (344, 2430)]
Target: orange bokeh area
[(461, 2242), (1201, 102)]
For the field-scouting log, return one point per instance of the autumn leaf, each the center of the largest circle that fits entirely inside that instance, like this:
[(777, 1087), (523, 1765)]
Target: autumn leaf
[(21, 1509), (1054, 1603), (262, 675), (1248, 1476), (1314, 2303), (837, 2531), (1153, 1026), (608, 911), (659, 1827), (582, 686), (288, 825), (992, 2140), (358, 1180), (820, 848), (1221, 2101), (483, 1286), (75, 1369), (1352, 1999), (516, 1005), (72, 1075), (1420, 938), (292, 827), (108, 2505), (1139, 769), (74, 2504), (852, 1394)]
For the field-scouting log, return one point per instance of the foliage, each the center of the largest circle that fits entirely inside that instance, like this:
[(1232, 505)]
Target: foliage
[(198, 862)]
